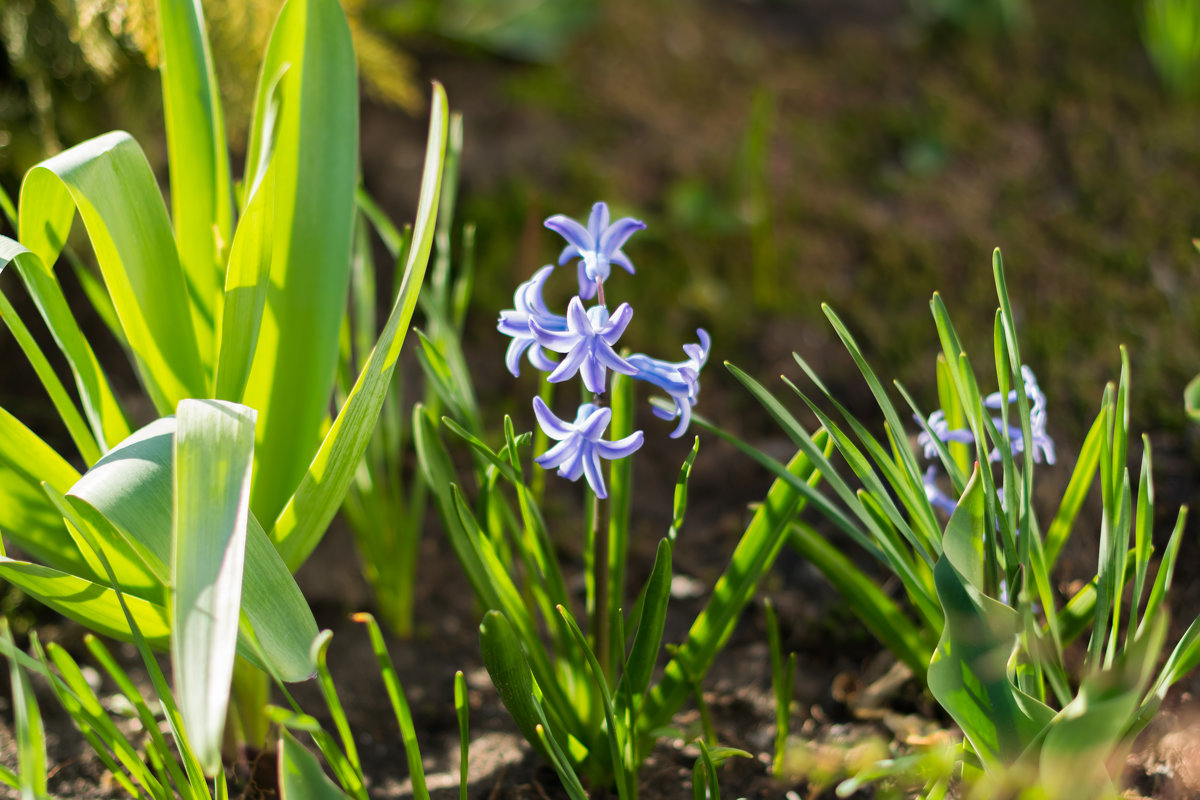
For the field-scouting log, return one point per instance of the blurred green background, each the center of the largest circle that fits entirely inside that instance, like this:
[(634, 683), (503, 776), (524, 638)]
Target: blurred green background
[(784, 153)]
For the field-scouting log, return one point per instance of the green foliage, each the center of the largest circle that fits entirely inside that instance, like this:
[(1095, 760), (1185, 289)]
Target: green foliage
[(1171, 31), (162, 519), (981, 588)]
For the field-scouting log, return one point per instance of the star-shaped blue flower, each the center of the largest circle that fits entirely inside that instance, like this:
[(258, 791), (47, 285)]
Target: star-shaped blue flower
[(580, 447), (587, 343), (680, 379), (515, 322), (598, 246)]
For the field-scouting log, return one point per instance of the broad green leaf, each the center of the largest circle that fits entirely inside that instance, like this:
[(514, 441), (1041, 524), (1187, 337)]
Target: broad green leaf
[(301, 776), (201, 193), (129, 490), (247, 277), (1191, 398), (968, 674), (100, 406), (214, 448), (92, 604), (303, 521), (31, 737), (27, 518), (753, 557), (647, 641), (316, 169), (111, 184), (505, 661)]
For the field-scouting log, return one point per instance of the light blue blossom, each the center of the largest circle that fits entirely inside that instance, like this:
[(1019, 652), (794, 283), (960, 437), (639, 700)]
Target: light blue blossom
[(680, 380), (580, 447), (598, 246), (587, 343), (516, 323), (937, 498), (1043, 446)]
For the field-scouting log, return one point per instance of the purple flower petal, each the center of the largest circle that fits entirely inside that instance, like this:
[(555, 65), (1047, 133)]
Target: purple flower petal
[(572, 231)]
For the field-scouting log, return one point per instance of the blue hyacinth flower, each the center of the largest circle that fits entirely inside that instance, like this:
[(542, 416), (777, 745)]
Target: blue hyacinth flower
[(598, 246), (587, 343), (515, 322), (580, 447), (680, 379)]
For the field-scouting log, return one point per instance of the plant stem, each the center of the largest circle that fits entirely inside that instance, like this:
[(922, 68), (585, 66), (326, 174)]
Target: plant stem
[(600, 621)]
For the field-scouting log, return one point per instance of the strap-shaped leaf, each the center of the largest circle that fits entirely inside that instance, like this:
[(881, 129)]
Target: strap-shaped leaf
[(315, 160), (301, 776), (92, 604), (303, 521), (968, 675), (27, 518), (214, 448), (111, 184), (130, 489), (100, 406), (201, 194), (31, 738)]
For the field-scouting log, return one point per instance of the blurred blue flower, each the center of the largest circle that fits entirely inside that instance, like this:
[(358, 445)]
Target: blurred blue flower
[(1043, 446), (515, 323), (680, 380), (937, 498), (580, 447), (598, 246), (587, 343)]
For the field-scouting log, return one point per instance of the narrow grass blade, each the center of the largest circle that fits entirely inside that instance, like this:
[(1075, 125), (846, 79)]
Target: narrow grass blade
[(213, 452), (301, 776), (30, 732), (462, 711), (316, 171), (395, 694), (647, 641), (617, 736), (1073, 498), (753, 557), (336, 712), (100, 405), (303, 521), (201, 192), (109, 181)]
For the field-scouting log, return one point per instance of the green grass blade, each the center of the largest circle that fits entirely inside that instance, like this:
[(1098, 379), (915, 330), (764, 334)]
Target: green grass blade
[(395, 692), (316, 166), (626, 786), (201, 192), (462, 710), (30, 732), (334, 703), (303, 521), (1075, 494), (301, 776), (109, 181), (100, 406), (509, 670), (214, 448)]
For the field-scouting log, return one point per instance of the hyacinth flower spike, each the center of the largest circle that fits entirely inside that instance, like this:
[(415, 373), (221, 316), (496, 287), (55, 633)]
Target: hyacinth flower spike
[(587, 344), (515, 322), (680, 380), (580, 447), (1043, 446), (598, 246)]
